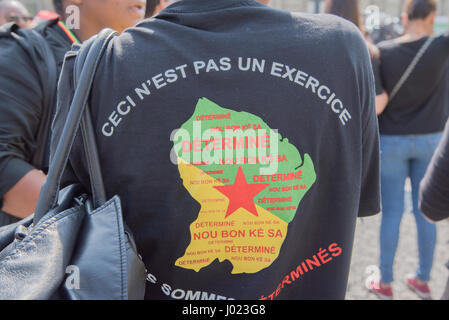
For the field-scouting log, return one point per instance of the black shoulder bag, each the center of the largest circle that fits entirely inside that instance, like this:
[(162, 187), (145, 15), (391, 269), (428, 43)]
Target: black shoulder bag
[(76, 246)]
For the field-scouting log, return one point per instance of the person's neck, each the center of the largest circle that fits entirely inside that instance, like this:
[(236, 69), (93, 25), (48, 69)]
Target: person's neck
[(417, 30), (86, 30), (84, 33)]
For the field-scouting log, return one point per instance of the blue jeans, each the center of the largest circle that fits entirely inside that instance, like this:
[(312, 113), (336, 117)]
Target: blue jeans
[(402, 157)]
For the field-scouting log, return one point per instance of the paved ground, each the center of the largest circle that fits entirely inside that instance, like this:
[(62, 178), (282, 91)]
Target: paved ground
[(366, 254)]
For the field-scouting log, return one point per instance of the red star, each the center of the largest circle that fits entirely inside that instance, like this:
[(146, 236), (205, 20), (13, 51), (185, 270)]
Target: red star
[(241, 194)]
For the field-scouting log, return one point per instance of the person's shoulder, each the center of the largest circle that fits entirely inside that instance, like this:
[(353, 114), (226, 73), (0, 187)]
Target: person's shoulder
[(147, 27), (132, 39), (331, 29), (389, 44), (13, 32), (52, 33), (55, 37), (7, 29), (443, 36), (442, 40), (9, 44), (46, 26), (19, 43), (327, 23), (16, 64)]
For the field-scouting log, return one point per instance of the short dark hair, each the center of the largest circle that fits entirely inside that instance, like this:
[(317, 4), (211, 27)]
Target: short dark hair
[(419, 9), (58, 7), (151, 7), (347, 9)]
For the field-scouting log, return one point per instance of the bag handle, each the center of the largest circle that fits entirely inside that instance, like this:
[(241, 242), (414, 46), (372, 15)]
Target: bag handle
[(90, 56), (410, 68), (88, 135)]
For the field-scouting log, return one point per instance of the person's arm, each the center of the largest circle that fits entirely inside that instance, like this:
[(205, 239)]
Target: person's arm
[(21, 200), (369, 86), (370, 184), (20, 112), (381, 102), (434, 187), (381, 94)]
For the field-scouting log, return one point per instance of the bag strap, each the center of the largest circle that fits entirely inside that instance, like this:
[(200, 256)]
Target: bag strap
[(411, 67), (42, 56), (90, 55), (89, 142)]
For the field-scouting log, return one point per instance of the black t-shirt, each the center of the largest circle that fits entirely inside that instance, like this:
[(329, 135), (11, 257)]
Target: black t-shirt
[(422, 104), (375, 62), (243, 144), (22, 102), (434, 188)]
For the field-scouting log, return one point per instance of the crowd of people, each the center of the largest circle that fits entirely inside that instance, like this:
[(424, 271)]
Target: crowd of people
[(412, 117), (355, 120)]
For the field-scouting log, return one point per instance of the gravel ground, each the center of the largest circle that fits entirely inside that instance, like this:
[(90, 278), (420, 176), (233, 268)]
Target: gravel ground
[(365, 258)]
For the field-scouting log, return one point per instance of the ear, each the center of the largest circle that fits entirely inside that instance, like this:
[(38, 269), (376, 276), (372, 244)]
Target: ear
[(404, 19), (432, 17), (71, 2)]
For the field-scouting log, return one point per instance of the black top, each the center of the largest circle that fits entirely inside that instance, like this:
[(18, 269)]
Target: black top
[(375, 63), (186, 107), (21, 102), (434, 188), (422, 104)]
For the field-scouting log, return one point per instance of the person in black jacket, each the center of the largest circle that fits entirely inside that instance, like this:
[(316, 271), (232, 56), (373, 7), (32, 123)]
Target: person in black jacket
[(434, 187), (22, 95)]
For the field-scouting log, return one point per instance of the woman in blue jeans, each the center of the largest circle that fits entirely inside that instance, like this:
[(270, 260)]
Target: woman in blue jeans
[(402, 157), (411, 127)]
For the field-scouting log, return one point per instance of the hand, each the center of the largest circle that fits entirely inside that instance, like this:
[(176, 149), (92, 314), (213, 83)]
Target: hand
[(381, 102)]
